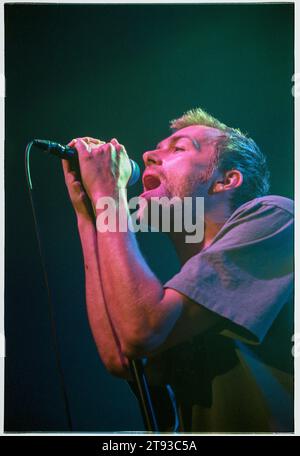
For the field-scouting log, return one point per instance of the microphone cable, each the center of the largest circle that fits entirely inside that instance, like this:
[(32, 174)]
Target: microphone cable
[(49, 297)]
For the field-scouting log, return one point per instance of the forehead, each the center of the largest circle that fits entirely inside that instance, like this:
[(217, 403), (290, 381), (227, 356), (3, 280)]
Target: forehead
[(195, 132)]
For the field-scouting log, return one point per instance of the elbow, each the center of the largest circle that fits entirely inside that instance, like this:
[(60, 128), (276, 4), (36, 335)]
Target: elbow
[(146, 334), (134, 351), (141, 347), (117, 369)]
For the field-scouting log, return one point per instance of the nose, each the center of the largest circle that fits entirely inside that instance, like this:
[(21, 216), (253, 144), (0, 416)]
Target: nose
[(151, 157)]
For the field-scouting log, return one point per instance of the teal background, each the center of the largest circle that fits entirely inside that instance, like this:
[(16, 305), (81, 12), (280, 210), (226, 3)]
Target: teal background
[(116, 71)]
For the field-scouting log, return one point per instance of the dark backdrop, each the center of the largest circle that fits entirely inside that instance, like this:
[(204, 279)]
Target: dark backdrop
[(115, 71)]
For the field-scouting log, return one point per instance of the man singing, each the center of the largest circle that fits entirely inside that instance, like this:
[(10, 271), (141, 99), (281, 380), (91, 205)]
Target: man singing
[(218, 333)]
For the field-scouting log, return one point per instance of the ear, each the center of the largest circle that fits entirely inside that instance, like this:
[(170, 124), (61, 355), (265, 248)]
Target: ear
[(232, 179)]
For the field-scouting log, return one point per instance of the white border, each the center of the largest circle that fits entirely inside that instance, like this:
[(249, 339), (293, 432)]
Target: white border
[(297, 192), (297, 239), (147, 2), (2, 97)]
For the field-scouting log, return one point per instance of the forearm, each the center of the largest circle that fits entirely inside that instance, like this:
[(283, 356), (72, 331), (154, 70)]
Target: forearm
[(132, 291), (104, 333)]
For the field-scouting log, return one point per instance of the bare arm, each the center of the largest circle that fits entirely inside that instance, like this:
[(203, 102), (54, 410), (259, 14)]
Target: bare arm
[(148, 318), (104, 334), (103, 331)]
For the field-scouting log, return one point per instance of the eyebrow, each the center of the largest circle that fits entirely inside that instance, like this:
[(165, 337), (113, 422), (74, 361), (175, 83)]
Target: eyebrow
[(176, 138)]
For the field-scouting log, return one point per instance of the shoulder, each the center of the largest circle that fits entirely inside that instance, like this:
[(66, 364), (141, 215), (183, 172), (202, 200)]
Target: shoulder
[(261, 219), (275, 201)]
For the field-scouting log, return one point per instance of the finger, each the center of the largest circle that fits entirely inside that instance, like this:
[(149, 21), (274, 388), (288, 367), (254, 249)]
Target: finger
[(88, 139), (77, 188), (108, 148), (105, 147), (70, 176), (94, 145), (82, 147), (118, 147), (122, 149), (116, 144), (72, 143), (66, 167)]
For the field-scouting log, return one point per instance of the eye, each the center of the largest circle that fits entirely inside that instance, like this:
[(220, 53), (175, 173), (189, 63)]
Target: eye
[(178, 149)]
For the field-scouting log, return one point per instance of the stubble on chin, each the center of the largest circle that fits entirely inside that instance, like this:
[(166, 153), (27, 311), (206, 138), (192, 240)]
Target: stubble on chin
[(190, 186)]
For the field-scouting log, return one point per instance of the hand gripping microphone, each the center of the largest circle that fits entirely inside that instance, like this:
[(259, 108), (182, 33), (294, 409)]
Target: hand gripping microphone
[(67, 153)]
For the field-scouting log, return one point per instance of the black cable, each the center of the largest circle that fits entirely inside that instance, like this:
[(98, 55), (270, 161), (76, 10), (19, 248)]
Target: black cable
[(50, 302), (144, 396)]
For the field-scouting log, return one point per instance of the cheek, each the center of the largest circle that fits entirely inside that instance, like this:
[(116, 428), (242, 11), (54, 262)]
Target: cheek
[(178, 169), (181, 185), (186, 181), (174, 177)]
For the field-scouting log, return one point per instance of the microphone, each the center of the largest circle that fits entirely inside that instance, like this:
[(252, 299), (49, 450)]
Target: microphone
[(67, 153)]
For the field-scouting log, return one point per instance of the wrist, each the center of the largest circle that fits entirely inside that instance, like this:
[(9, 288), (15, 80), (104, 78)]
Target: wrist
[(118, 194), (101, 193), (84, 220)]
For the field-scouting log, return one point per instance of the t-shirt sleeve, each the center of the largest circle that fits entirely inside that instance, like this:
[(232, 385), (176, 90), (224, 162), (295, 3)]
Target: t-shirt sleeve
[(246, 274)]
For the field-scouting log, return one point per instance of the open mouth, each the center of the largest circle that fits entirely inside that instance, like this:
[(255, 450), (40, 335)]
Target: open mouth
[(151, 182)]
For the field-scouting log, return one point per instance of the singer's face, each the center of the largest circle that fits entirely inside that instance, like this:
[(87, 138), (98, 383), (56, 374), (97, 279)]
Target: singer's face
[(181, 164)]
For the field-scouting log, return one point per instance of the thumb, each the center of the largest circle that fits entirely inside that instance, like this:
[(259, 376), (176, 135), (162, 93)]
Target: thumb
[(66, 167)]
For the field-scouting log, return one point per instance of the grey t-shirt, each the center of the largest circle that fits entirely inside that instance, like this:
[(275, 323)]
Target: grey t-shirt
[(238, 377)]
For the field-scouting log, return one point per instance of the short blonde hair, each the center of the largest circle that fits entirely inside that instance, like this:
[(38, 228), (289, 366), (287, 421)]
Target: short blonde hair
[(199, 117), (234, 150)]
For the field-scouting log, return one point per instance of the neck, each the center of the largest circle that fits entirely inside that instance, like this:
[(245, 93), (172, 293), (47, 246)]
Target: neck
[(212, 225)]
